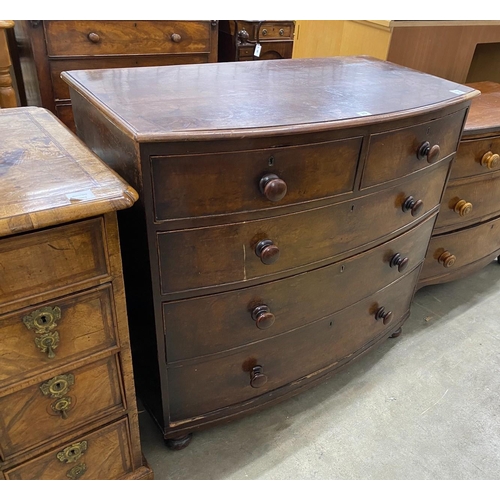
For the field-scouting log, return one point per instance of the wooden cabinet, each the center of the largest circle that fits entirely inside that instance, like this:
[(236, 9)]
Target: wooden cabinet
[(278, 238), (466, 236), (238, 40), (67, 397), (46, 48)]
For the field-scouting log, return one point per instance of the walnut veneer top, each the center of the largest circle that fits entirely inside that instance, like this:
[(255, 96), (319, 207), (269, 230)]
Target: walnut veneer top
[(484, 113), (48, 176), (226, 100)]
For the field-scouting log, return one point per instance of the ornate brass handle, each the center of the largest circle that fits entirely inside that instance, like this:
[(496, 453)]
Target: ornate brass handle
[(463, 208), (44, 322), (490, 160), (62, 406), (58, 386), (73, 452), (77, 471)]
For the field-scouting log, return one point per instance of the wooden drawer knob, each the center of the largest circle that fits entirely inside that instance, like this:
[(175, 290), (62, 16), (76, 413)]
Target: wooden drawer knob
[(399, 261), (385, 316), (281, 32), (263, 317), (490, 160), (447, 259), (272, 187), (93, 37), (267, 251), (175, 37), (257, 377), (413, 205), (463, 208), (427, 151)]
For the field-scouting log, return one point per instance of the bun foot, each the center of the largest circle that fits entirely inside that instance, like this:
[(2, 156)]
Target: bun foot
[(179, 443), (397, 333)]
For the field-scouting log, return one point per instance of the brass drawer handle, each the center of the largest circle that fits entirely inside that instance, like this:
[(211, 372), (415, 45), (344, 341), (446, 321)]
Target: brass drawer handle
[(263, 317), (463, 208), (175, 37), (73, 452), (44, 322), (62, 406), (447, 259), (77, 471), (427, 151), (490, 160), (385, 316), (93, 37)]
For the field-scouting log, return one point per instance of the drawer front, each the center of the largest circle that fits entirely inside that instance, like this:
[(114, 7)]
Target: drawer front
[(269, 30), (200, 326), (48, 335), (460, 248), (394, 154), (231, 181), (476, 157), (44, 411), (103, 454), (91, 38), (202, 258), (196, 389), (51, 259), (469, 200)]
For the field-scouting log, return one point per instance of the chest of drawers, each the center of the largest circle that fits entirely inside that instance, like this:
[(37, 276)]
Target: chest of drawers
[(46, 48), (67, 397), (467, 232), (285, 211)]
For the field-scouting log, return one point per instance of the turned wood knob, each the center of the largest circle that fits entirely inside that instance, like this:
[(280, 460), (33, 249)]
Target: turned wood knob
[(93, 37), (463, 208), (427, 151), (490, 160), (263, 317), (415, 206), (399, 261), (257, 377), (267, 251), (384, 315), (175, 37), (447, 259), (272, 187)]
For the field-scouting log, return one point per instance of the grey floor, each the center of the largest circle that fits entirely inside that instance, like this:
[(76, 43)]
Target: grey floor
[(423, 406)]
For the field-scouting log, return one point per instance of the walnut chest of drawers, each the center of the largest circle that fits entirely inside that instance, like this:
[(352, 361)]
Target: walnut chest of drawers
[(284, 214), (467, 232), (67, 397), (48, 47)]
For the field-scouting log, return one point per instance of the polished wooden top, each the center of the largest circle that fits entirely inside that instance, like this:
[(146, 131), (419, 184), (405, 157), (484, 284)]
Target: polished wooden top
[(239, 99), (48, 176), (484, 113)]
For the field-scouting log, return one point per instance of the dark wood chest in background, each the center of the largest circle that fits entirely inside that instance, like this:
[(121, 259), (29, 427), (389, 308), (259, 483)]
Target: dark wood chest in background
[(46, 48), (238, 39), (284, 214)]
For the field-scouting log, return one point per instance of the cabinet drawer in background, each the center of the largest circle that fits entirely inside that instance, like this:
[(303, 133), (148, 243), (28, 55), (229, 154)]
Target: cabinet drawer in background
[(34, 415), (226, 254), (286, 358), (103, 454), (199, 326), (394, 154), (90, 38), (53, 333), (471, 153), (224, 183)]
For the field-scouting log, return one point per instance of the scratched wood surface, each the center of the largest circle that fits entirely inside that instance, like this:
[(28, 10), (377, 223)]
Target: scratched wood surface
[(48, 176)]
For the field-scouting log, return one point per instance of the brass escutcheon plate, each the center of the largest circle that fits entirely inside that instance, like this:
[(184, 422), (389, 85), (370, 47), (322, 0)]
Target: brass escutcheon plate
[(73, 452), (43, 320), (58, 386)]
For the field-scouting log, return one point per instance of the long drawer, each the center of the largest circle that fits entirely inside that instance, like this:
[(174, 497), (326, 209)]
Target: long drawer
[(227, 254), (199, 326), (286, 358)]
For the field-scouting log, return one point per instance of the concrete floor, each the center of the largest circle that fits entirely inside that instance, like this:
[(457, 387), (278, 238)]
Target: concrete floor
[(423, 406)]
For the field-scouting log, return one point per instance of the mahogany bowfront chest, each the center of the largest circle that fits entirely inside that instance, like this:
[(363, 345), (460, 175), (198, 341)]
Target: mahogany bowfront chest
[(285, 212)]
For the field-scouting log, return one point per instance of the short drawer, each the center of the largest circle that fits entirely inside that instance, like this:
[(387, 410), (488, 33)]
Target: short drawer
[(225, 254), (103, 454), (251, 180), (468, 200), (44, 411), (91, 38), (54, 333), (269, 30), (447, 253), (476, 157), (200, 326), (51, 259), (218, 382), (395, 154)]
